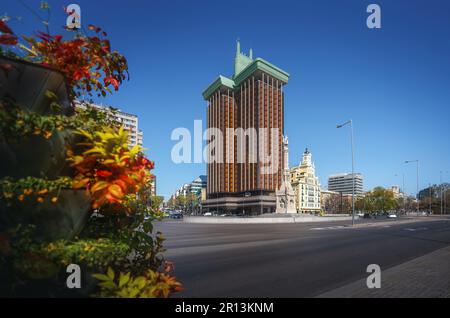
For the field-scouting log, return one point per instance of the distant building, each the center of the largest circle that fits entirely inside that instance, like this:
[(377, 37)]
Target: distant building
[(433, 191), (153, 186), (306, 185), (140, 138), (197, 185), (396, 191), (343, 183), (127, 120)]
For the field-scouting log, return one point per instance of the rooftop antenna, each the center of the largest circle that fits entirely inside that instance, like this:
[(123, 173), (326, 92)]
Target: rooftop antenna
[(238, 47)]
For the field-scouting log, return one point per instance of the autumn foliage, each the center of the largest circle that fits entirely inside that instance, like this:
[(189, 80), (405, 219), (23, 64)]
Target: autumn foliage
[(88, 62), (108, 168)]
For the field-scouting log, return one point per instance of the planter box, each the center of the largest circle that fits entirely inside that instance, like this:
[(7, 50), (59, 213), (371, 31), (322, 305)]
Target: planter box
[(62, 220), (35, 156), (26, 84)]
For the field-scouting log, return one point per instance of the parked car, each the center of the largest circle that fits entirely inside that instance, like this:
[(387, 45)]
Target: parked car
[(392, 216), (207, 214)]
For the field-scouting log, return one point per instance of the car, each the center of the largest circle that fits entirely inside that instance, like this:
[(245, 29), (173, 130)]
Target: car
[(392, 216), (176, 216), (367, 216), (207, 214)]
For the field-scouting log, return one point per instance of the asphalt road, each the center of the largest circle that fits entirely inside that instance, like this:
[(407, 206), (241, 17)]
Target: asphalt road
[(292, 260)]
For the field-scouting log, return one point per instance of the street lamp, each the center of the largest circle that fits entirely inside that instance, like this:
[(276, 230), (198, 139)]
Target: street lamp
[(417, 182), (440, 184), (350, 122)]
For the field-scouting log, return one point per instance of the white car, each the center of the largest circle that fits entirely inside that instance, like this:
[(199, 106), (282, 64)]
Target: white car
[(207, 214), (392, 216)]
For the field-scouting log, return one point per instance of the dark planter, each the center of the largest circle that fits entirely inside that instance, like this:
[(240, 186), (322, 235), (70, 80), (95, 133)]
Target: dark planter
[(35, 156), (26, 83), (66, 218), (62, 220)]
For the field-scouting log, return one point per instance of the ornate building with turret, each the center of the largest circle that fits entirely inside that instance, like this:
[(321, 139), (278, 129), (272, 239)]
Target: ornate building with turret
[(306, 185)]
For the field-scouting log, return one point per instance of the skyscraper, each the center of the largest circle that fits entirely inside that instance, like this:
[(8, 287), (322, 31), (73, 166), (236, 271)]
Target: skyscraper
[(248, 109)]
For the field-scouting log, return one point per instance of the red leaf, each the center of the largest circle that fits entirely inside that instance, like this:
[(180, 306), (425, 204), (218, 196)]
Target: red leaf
[(8, 39), (103, 173), (111, 80), (5, 28)]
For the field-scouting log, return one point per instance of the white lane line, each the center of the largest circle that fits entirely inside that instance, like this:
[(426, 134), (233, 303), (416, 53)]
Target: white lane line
[(328, 228), (416, 229)]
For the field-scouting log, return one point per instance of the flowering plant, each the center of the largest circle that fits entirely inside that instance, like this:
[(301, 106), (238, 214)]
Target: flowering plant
[(108, 168), (88, 62)]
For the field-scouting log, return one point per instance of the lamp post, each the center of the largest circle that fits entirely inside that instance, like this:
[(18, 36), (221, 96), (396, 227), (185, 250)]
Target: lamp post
[(350, 122), (442, 193), (417, 182), (431, 195)]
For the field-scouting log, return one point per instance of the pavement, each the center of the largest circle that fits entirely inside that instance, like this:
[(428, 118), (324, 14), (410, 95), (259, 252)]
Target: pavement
[(311, 260)]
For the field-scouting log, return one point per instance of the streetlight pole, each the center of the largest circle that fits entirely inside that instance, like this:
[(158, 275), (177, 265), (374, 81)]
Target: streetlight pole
[(442, 188), (417, 181), (430, 194), (350, 122)]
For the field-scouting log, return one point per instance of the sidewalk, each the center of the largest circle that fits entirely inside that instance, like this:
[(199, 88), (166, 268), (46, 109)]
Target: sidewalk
[(426, 276)]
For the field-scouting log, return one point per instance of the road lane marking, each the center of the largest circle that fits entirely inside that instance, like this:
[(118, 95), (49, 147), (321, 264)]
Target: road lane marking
[(416, 229), (328, 228)]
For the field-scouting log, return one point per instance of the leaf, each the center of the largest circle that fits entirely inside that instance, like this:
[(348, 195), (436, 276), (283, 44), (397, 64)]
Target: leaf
[(115, 190), (101, 277), (108, 285), (140, 282), (4, 28), (110, 273), (8, 39), (124, 278), (50, 95), (80, 183), (99, 185)]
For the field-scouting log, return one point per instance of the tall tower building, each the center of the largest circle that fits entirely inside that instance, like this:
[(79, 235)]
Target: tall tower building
[(248, 109)]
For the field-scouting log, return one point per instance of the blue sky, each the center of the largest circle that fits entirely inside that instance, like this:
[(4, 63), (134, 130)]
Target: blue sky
[(394, 82)]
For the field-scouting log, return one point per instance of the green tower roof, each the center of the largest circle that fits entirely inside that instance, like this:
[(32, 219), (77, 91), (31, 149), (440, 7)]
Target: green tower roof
[(244, 66)]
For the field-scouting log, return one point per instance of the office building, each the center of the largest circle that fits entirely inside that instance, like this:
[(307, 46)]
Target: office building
[(252, 99), (343, 183)]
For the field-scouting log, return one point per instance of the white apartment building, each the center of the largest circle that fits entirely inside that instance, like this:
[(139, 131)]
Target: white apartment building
[(128, 121)]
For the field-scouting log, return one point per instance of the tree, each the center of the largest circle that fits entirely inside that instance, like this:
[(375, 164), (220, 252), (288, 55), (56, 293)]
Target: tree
[(156, 201), (379, 199)]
